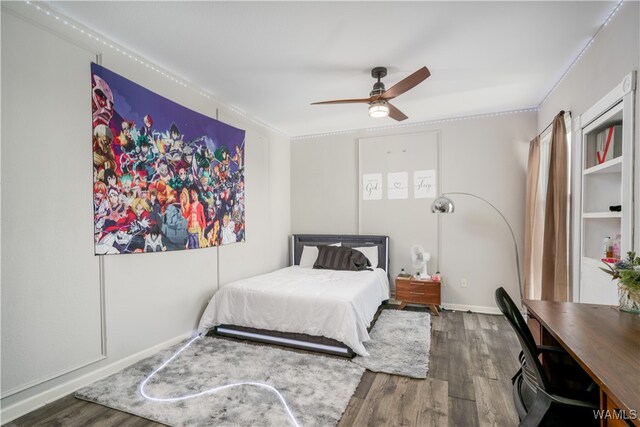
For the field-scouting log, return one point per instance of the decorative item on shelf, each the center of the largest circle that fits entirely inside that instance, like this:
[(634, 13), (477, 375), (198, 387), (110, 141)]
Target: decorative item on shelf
[(616, 246), (627, 273), (607, 250), (615, 208), (609, 144), (436, 277)]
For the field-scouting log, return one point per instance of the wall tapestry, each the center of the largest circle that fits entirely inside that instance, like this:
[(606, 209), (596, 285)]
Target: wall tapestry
[(165, 178)]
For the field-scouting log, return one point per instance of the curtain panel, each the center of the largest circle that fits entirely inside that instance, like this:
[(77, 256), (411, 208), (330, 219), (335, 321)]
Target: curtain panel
[(554, 281), (532, 225), (547, 201)]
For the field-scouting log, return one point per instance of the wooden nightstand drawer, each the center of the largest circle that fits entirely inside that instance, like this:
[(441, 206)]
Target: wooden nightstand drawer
[(430, 288), (418, 292), (418, 297)]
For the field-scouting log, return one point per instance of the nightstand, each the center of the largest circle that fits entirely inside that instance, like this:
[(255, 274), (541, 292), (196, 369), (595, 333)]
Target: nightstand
[(426, 292)]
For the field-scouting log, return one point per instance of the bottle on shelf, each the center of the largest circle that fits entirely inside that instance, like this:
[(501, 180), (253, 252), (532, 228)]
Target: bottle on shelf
[(607, 251), (616, 246)]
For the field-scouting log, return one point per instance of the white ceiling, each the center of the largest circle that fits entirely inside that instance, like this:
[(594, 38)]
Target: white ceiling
[(272, 59)]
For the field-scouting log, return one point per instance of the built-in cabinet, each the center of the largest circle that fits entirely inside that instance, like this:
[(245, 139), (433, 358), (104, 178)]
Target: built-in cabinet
[(603, 191)]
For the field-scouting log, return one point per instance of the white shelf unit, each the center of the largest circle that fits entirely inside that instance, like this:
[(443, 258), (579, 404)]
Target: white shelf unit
[(597, 215), (610, 166), (597, 187)]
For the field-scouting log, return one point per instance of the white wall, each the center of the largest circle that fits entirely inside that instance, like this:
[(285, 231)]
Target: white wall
[(36, 177), (403, 153), (485, 156), (149, 299)]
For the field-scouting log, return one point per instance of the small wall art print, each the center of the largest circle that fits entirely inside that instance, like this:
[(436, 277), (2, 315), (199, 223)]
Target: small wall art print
[(165, 178), (397, 185), (372, 186), (424, 184)]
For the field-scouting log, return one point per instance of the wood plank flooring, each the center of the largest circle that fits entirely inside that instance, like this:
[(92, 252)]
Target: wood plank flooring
[(472, 359), (471, 362)]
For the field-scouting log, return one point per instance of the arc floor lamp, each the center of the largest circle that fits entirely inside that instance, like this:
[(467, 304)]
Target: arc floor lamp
[(444, 204)]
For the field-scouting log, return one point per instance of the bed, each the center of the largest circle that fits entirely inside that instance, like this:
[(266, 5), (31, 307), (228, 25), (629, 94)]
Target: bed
[(321, 310)]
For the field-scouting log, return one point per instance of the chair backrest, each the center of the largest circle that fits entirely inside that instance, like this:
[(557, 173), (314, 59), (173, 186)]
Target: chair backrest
[(532, 368)]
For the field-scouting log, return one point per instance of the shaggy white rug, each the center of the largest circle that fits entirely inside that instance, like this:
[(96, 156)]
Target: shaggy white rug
[(400, 343), (317, 389)]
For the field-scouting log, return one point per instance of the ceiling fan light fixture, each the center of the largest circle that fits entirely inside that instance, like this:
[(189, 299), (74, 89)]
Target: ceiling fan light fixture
[(379, 97), (379, 109)]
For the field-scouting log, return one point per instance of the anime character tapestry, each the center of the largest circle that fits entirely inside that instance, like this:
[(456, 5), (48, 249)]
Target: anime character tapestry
[(165, 178)]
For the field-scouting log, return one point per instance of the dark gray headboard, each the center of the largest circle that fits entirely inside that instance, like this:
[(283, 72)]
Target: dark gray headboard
[(298, 241)]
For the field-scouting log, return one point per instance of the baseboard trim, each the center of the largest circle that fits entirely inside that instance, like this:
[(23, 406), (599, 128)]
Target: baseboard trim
[(474, 308), (18, 409)]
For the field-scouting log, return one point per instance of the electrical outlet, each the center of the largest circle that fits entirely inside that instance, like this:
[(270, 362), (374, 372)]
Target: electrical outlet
[(463, 283)]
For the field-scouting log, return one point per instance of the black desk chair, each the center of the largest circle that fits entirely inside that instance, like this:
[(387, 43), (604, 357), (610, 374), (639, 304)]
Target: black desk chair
[(536, 401)]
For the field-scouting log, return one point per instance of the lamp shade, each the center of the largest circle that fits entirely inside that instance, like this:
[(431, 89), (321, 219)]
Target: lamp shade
[(442, 205), (379, 109)]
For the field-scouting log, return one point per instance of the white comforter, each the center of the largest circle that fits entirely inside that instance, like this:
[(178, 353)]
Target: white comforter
[(330, 303)]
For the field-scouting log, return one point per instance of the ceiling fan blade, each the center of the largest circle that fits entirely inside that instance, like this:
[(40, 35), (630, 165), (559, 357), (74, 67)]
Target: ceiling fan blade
[(408, 83), (345, 101), (396, 114)]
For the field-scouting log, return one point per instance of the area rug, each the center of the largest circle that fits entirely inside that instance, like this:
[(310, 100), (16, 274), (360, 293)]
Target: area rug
[(399, 345), (316, 389)]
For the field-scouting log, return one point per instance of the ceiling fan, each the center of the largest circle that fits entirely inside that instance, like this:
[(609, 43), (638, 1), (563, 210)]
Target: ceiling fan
[(379, 105)]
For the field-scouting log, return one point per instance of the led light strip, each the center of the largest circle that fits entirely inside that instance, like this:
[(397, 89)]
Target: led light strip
[(409, 125), (582, 52), (211, 390), (58, 16), (283, 340)]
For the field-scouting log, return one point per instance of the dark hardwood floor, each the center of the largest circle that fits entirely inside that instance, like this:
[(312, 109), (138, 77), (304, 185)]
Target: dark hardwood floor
[(471, 362), (472, 359)]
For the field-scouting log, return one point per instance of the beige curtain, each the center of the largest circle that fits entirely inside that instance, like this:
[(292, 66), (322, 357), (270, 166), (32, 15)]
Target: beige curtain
[(533, 225), (554, 257)]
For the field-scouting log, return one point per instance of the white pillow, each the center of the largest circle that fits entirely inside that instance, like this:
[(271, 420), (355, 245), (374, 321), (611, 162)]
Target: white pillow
[(310, 254), (371, 253)]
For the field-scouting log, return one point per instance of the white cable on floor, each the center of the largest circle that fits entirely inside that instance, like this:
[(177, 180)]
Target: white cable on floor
[(211, 390)]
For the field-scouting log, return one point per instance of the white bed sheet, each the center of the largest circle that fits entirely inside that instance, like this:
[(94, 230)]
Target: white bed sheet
[(330, 303)]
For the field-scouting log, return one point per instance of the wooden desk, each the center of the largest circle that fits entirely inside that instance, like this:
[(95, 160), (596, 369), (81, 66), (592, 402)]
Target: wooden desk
[(606, 344)]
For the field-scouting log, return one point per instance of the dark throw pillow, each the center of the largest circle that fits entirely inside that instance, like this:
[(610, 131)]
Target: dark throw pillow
[(340, 258)]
